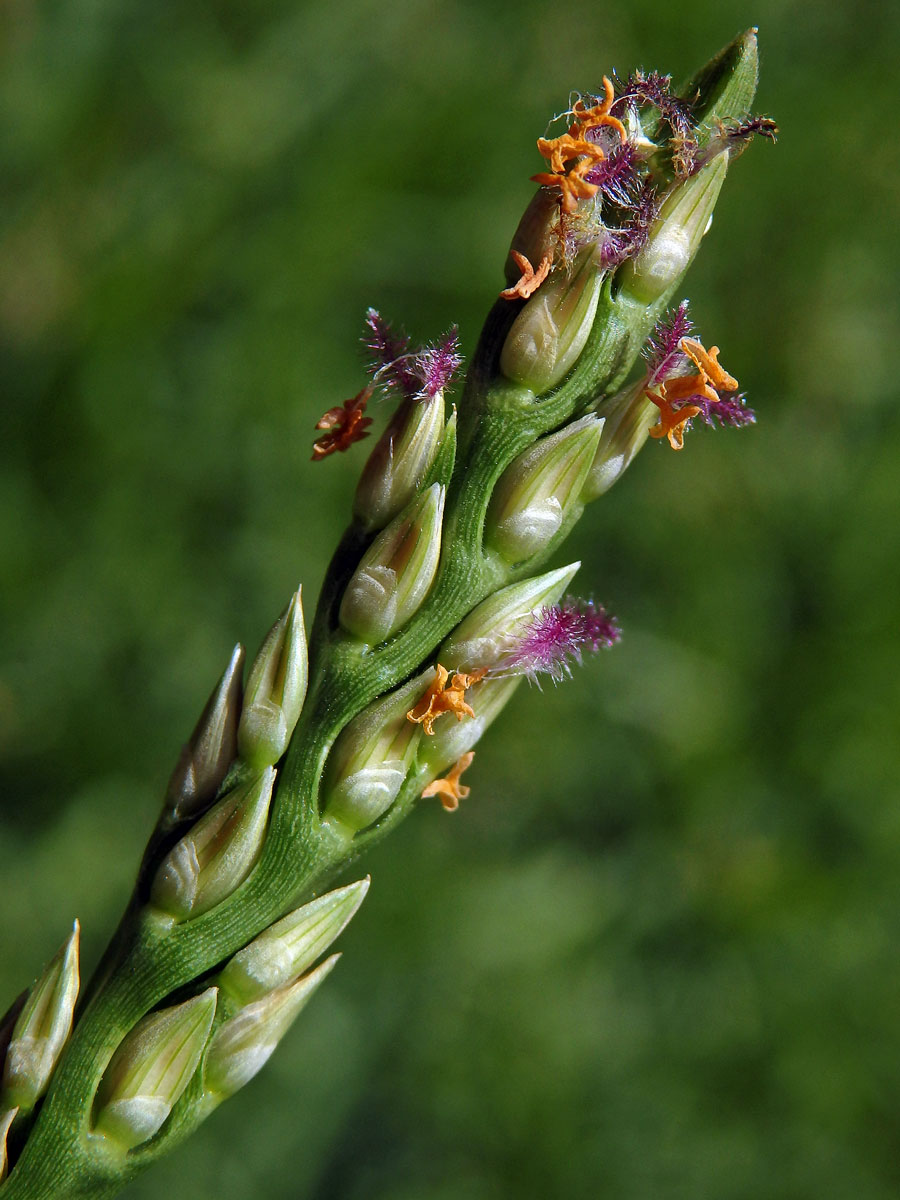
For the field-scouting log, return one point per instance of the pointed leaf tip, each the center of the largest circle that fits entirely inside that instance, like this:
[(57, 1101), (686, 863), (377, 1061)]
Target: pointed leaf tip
[(724, 88)]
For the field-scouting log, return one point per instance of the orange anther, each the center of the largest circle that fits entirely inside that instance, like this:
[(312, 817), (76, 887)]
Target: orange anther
[(560, 150), (708, 362), (710, 379), (671, 421), (450, 790), (530, 279), (442, 697), (572, 188), (345, 424), (599, 114), (683, 387)]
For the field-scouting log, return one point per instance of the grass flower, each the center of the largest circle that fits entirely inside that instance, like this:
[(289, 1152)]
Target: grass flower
[(436, 605)]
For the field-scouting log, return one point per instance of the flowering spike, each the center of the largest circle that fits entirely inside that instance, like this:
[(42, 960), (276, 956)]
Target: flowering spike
[(150, 1070), (276, 689), (212, 748), (344, 425), (556, 638), (290, 946), (217, 854), (42, 1029), (449, 788), (396, 572), (243, 1045)]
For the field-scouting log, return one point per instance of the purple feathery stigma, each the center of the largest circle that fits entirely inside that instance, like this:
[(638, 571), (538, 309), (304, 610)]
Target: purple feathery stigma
[(615, 247), (753, 127), (656, 89), (417, 374), (390, 354), (663, 352), (556, 637), (734, 138), (617, 175), (729, 410), (643, 214), (383, 344), (437, 364), (630, 238)]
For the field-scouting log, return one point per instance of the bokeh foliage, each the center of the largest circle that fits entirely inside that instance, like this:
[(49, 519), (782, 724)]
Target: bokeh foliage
[(655, 952)]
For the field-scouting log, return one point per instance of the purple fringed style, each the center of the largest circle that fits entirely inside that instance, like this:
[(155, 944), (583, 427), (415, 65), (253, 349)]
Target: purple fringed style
[(752, 127), (734, 138), (383, 344), (556, 638), (665, 359), (617, 175), (663, 352), (417, 374), (437, 363), (656, 89), (631, 237), (390, 354), (730, 410)]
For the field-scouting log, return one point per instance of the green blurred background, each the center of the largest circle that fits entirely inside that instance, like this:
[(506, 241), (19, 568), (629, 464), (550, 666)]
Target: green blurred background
[(655, 954)]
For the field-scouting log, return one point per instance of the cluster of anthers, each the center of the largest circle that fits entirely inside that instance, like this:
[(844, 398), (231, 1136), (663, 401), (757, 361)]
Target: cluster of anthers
[(548, 644), (681, 394), (574, 158), (598, 157), (445, 695), (344, 424), (675, 396), (579, 145)]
